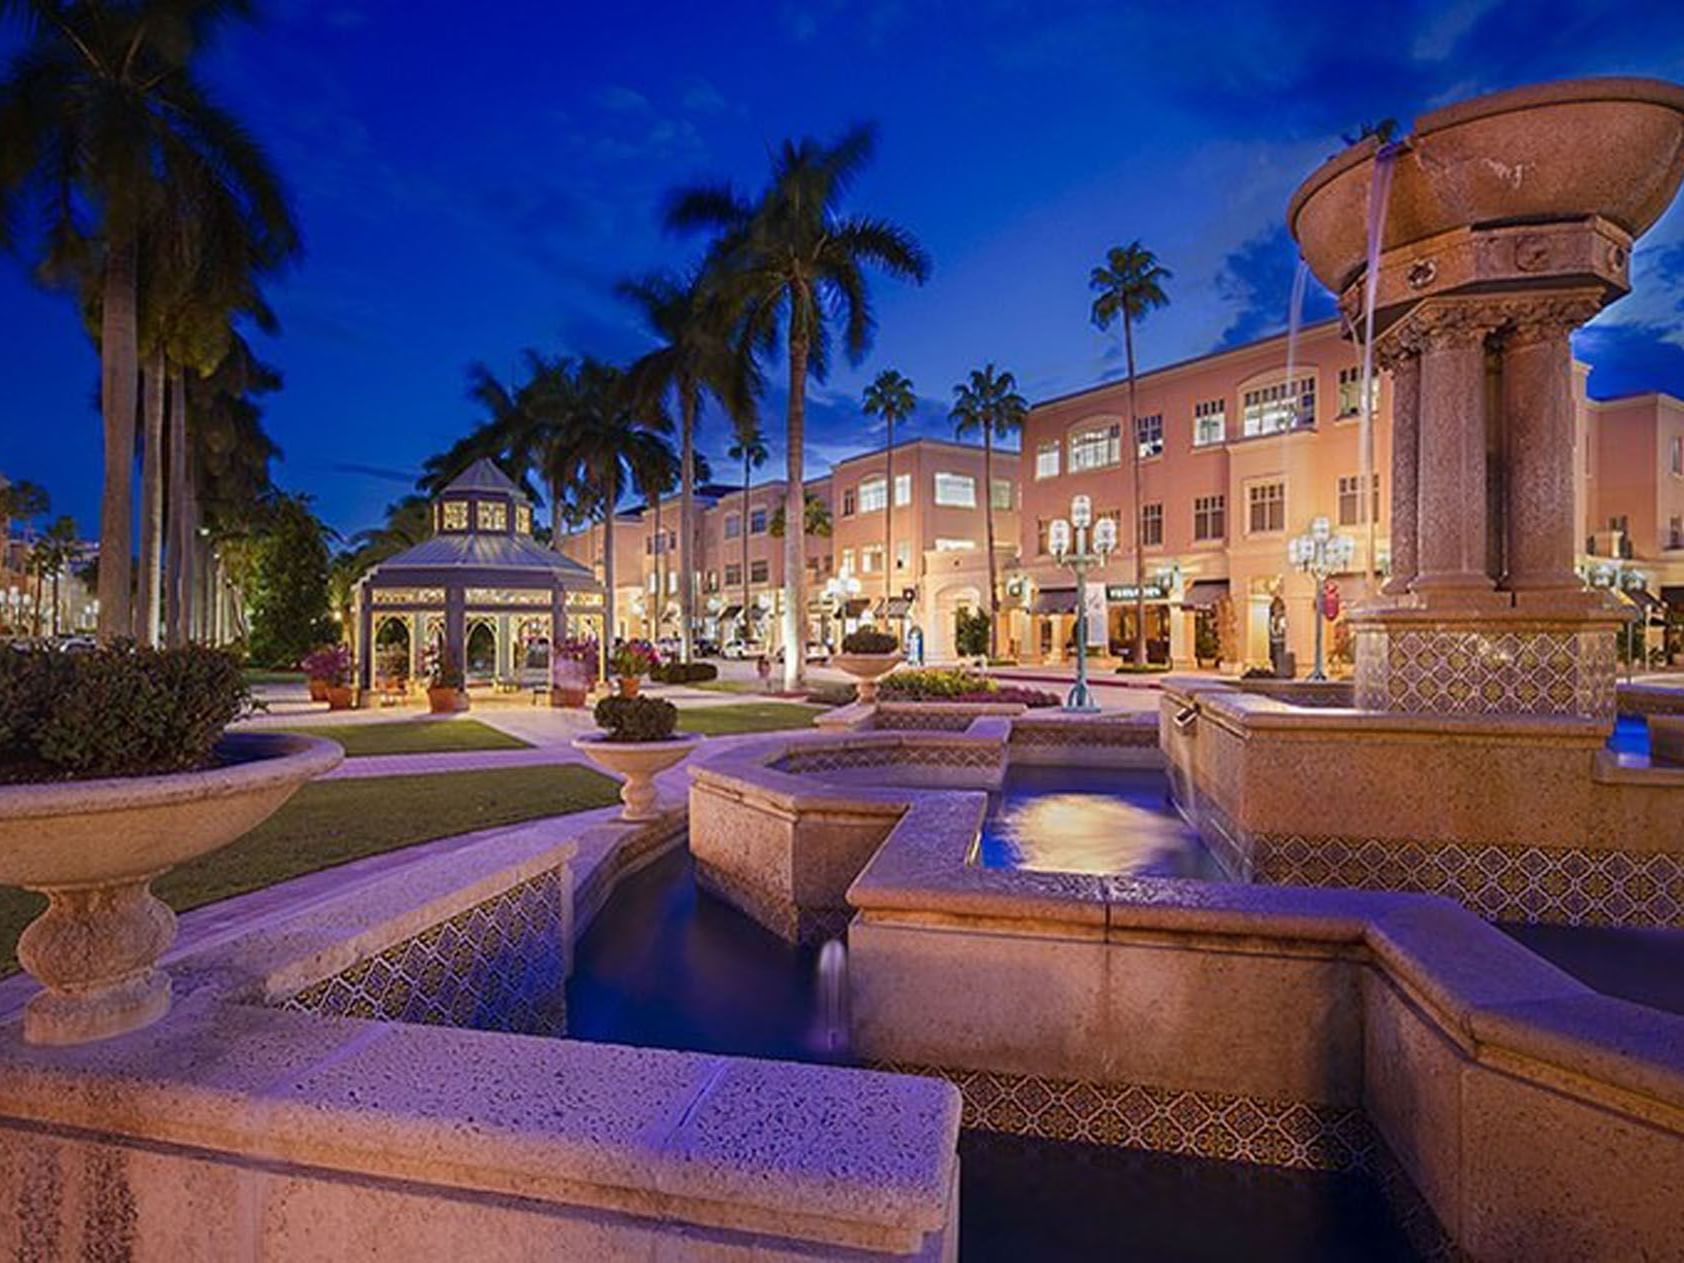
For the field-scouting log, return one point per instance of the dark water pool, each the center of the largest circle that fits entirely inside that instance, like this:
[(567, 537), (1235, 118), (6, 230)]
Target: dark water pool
[(1090, 820), (1630, 735), (667, 965)]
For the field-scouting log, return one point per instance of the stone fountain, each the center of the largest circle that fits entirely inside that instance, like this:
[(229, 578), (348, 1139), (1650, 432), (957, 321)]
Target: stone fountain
[(1474, 761)]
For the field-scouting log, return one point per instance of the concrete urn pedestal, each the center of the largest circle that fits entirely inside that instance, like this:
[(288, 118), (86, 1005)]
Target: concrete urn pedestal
[(868, 669), (638, 762), (93, 848)]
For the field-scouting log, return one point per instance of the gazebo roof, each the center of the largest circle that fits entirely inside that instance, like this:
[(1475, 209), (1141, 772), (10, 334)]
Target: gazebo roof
[(483, 475), (500, 557)]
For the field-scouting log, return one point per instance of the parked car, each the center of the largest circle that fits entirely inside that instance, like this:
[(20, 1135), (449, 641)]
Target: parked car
[(815, 653), (740, 649), (705, 648)]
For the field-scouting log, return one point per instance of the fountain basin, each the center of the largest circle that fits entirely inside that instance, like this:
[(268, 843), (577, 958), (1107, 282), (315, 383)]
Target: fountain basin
[(1607, 147)]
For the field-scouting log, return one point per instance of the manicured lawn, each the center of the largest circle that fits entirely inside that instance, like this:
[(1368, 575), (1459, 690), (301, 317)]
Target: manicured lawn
[(334, 822), (258, 675), (415, 736), (748, 717), (728, 686)]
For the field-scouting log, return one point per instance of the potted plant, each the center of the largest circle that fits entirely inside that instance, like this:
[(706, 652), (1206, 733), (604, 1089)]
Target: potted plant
[(331, 664), (447, 690), (636, 743), (573, 670), (868, 655), (114, 768), (1207, 642), (318, 667), (630, 661)]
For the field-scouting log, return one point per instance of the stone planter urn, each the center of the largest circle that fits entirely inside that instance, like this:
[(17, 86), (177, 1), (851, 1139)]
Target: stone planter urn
[(446, 701), (639, 762), (868, 668), (318, 690), (340, 697), (93, 848)]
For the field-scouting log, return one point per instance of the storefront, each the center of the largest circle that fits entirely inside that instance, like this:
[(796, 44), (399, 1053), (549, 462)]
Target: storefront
[(1124, 606)]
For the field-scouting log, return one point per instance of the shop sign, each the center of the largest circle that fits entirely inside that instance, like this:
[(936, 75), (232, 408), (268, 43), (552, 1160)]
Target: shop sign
[(1126, 592)]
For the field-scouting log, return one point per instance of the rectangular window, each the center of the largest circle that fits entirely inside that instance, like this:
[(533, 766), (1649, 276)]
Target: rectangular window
[(1210, 422), (954, 545), (733, 525), (493, 515), (871, 559), (1266, 507), (1152, 525), (1046, 460), (1271, 409), (1002, 495), (1096, 448), (1350, 500), (956, 491), (672, 582), (1042, 548), (903, 554), (713, 581), (1210, 517), (1149, 433), (1350, 391), (757, 572), (903, 490), (654, 584), (874, 495), (1678, 454), (847, 561), (757, 521), (1676, 532), (733, 575), (848, 502)]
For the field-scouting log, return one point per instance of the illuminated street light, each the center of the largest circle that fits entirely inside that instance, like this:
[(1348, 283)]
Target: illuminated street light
[(1320, 553), (1090, 548)]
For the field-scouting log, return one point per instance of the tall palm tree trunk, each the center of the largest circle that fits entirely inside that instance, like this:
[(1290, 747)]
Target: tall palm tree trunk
[(555, 513), (1139, 512), (743, 616), (888, 515), (795, 517), (608, 564), (58, 569), (686, 521), (988, 530), (150, 585), (119, 371), (658, 608), (180, 527)]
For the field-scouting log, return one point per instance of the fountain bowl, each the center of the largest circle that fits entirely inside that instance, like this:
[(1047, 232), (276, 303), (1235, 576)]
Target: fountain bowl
[(1548, 152)]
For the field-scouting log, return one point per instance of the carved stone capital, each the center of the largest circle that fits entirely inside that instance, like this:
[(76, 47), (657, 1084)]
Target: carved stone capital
[(1550, 317)]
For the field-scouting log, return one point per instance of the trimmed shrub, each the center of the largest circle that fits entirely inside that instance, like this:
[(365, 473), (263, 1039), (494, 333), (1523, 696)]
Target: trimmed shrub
[(833, 695), (1143, 668), (115, 711), (1035, 699), (870, 640), (938, 683), (970, 633), (636, 718), (684, 672)]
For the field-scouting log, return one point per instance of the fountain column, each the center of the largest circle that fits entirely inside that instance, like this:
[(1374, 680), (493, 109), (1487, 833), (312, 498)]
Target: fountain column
[(1403, 360), (1451, 468), (1537, 372)]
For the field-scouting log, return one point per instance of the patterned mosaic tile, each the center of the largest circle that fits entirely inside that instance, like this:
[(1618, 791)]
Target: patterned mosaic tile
[(1463, 672), (1568, 886), (969, 754), (1029, 733), (499, 965), (910, 720), (1164, 1120)]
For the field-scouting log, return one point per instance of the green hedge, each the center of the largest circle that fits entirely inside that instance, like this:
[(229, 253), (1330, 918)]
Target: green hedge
[(684, 673), (636, 718)]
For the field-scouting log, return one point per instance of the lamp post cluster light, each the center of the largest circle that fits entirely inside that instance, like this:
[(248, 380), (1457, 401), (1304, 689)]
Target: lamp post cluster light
[(1320, 554), (1081, 543)]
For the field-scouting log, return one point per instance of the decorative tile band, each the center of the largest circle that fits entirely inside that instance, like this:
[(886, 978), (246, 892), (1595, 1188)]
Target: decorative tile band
[(791, 922), (1163, 1120), (1568, 886), (909, 720), (1029, 733), (500, 965), (1458, 671), (969, 754)]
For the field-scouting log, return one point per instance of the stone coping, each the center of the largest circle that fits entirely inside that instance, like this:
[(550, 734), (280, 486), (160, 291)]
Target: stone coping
[(826, 1154), (1492, 997)]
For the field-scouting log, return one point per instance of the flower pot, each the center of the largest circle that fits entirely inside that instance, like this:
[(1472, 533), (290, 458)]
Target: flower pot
[(638, 762), (93, 848), (318, 690), (868, 668), (340, 697), (568, 695), (629, 684), (445, 701)]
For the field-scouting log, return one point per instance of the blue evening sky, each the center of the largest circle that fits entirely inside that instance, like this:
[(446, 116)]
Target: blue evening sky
[(472, 178)]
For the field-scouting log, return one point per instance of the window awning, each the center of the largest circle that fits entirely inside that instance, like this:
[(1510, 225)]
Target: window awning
[(730, 611), (855, 607), (896, 607), (1055, 601), (1201, 594)]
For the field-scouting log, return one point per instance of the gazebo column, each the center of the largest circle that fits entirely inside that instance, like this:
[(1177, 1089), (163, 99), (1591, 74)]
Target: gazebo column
[(504, 628), (364, 647), (417, 647), (455, 627)]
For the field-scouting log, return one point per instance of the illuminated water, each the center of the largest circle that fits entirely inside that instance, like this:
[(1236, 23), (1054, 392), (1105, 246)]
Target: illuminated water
[(1085, 820)]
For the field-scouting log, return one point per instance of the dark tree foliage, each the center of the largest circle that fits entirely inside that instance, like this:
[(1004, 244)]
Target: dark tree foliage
[(289, 595)]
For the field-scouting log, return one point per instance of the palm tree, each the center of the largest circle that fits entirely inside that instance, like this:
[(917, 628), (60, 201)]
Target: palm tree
[(890, 396), (791, 261), (602, 439), (55, 550), (1129, 286), (750, 448), (21, 501), (815, 518), (654, 473), (695, 357), (102, 112), (989, 404)]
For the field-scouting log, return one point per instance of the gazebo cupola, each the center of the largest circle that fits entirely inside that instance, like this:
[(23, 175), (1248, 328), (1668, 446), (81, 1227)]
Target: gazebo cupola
[(480, 580)]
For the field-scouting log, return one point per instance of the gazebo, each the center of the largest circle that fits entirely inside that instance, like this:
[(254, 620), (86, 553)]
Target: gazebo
[(481, 576)]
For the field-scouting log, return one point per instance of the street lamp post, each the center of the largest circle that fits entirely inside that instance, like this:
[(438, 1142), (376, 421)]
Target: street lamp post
[(1081, 543), (1320, 553)]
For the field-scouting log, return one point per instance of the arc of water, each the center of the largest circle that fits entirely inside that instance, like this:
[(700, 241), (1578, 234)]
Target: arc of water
[(1379, 195), (1294, 322)]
